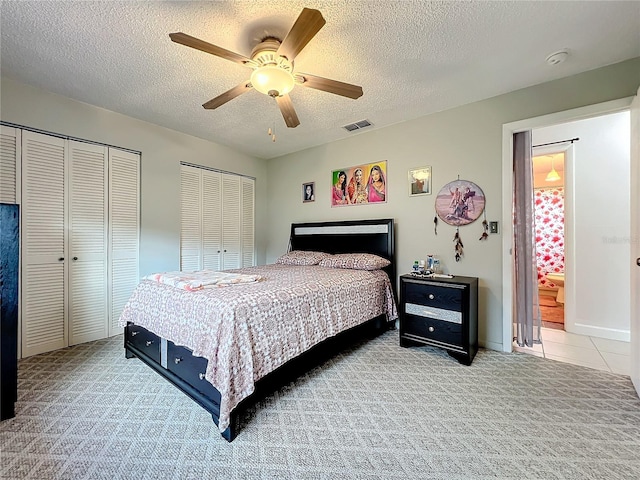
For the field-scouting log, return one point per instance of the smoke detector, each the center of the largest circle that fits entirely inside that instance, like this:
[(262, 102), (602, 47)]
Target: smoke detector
[(557, 57)]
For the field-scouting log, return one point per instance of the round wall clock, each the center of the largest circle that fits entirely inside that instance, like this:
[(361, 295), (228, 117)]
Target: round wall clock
[(460, 202)]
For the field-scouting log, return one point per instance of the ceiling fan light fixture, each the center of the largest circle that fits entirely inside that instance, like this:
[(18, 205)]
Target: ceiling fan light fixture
[(272, 80)]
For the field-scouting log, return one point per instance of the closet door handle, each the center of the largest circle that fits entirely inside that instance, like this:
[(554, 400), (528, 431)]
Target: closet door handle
[(61, 259), (75, 258)]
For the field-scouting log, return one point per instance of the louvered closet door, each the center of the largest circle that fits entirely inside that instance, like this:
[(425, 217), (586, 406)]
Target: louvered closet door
[(43, 244), (124, 231), (231, 236), (87, 237), (190, 218), (211, 219), (9, 171), (248, 233)]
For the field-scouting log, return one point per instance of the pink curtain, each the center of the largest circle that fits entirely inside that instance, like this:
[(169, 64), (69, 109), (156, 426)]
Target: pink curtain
[(549, 215)]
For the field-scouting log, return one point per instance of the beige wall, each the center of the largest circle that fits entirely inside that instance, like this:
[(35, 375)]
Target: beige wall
[(465, 141), (162, 151)]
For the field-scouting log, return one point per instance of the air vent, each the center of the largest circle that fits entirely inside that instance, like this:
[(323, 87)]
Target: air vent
[(357, 126)]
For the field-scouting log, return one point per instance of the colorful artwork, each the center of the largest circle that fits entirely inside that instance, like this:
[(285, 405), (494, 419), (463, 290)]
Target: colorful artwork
[(460, 202), (359, 185)]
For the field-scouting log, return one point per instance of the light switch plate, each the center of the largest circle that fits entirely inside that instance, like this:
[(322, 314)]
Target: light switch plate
[(493, 227)]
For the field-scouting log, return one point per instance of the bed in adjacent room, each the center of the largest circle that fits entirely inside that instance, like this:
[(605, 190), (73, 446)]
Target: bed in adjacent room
[(220, 337)]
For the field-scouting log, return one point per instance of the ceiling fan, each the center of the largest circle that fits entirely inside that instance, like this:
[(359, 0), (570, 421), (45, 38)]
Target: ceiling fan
[(272, 64)]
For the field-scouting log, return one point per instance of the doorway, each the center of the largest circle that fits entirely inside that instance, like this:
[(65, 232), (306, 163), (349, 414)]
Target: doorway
[(549, 217), (609, 347)]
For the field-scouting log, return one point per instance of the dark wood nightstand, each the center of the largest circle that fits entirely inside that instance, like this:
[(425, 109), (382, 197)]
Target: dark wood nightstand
[(442, 312)]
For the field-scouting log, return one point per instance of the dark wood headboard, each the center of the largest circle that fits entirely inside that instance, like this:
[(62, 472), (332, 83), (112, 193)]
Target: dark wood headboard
[(348, 236)]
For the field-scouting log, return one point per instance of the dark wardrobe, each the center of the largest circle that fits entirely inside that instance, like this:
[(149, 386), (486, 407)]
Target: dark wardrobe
[(9, 255)]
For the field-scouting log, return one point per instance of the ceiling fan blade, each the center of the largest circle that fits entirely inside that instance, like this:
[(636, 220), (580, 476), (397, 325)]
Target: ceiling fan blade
[(193, 42), (228, 95), (288, 112), (331, 86), (307, 25)]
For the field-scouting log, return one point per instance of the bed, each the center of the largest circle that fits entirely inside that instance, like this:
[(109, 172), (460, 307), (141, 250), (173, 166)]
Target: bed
[(249, 339)]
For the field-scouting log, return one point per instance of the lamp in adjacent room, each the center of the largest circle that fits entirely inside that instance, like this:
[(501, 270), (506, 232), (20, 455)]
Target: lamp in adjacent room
[(552, 176)]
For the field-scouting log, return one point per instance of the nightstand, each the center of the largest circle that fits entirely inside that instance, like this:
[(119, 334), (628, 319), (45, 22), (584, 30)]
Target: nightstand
[(442, 312)]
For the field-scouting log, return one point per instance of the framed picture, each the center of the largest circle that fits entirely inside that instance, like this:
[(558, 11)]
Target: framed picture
[(460, 202), (362, 184), (419, 181), (309, 192)]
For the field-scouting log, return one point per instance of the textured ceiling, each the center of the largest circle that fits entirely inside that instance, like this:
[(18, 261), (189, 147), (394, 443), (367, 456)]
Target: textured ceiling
[(411, 58)]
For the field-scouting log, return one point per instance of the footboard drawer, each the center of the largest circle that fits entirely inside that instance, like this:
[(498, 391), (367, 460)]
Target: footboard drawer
[(143, 340), (191, 369)]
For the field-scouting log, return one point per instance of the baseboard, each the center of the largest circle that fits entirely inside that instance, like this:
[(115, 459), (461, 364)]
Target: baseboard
[(494, 346), (600, 332)]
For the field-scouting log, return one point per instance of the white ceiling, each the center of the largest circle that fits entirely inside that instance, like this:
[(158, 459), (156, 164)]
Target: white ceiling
[(412, 58)]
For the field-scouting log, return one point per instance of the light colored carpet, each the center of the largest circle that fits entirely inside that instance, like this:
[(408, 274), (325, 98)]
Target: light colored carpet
[(376, 411)]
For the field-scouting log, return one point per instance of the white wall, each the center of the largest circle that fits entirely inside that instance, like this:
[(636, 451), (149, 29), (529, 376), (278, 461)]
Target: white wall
[(465, 141), (162, 151), (600, 251)]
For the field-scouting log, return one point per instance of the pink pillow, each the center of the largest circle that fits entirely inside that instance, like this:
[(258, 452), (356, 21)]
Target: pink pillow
[(356, 261), (302, 257)]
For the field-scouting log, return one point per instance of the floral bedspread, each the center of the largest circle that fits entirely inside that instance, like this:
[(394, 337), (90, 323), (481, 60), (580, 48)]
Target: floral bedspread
[(247, 331)]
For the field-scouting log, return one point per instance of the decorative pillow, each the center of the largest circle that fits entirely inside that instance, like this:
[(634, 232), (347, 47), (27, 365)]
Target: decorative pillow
[(302, 257), (356, 261)]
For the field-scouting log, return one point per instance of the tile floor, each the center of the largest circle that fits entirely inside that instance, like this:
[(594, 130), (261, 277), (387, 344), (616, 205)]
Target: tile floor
[(599, 353)]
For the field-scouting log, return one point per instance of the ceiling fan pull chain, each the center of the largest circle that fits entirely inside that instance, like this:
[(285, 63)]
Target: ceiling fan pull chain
[(272, 130)]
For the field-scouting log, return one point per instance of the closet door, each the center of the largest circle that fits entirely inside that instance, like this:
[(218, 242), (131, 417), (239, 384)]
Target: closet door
[(44, 257), (9, 162), (248, 233), (231, 235), (87, 239), (124, 228), (191, 218), (211, 219)]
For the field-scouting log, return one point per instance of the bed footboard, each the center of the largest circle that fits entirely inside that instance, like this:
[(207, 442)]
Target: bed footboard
[(186, 372)]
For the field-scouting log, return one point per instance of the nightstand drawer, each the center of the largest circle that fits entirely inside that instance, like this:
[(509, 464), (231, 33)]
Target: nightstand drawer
[(433, 295), (441, 332), (433, 312)]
